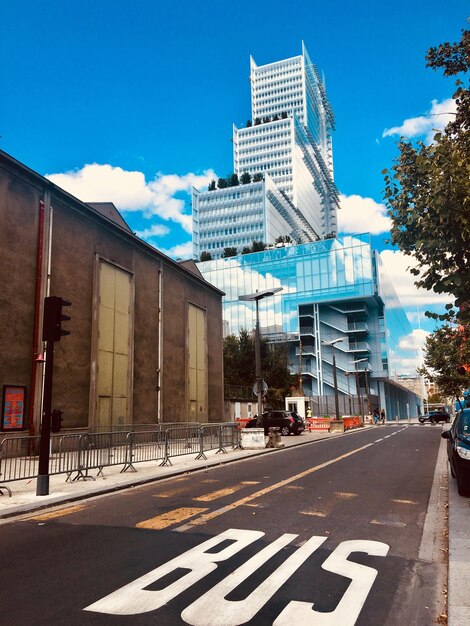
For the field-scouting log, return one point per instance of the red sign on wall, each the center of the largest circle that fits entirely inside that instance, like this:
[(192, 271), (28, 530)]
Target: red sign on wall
[(13, 407)]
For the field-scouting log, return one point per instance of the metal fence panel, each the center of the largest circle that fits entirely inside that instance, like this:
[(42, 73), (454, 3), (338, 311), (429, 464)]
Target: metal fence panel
[(82, 452)]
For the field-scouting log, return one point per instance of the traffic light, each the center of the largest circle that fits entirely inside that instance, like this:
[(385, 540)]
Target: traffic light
[(53, 317), (56, 420)]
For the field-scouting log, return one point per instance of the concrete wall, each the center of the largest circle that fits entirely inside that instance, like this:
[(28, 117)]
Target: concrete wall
[(79, 238)]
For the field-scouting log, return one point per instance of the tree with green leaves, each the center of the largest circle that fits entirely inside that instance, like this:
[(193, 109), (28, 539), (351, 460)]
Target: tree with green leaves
[(258, 246), (222, 183), (258, 177), (245, 178), (232, 180), (205, 256), (247, 250), (239, 365), (211, 186), (248, 123), (446, 349), (257, 121), (229, 252), (283, 239), (428, 191)]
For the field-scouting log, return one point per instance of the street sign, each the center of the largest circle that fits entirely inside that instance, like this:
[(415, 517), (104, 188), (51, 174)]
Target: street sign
[(260, 388)]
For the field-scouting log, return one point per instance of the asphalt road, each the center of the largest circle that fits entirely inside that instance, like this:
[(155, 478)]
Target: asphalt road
[(327, 533)]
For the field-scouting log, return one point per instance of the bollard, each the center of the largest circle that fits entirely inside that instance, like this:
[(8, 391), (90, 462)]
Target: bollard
[(274, 438)]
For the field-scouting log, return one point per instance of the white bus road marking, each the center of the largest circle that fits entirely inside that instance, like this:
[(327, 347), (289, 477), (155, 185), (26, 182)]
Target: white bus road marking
[(203, 519), (213, 609)]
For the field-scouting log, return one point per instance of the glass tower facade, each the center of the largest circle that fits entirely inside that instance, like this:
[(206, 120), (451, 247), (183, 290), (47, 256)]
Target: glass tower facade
[(289, 144), (334, 289)]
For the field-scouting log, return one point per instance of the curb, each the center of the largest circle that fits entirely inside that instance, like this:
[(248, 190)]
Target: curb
[(23, 509)]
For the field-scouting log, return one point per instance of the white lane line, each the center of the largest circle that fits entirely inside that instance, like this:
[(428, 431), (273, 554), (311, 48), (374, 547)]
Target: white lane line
[(377, 440)]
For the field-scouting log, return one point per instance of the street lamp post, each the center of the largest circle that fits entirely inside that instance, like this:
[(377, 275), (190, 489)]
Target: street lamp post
[(349, 391), (259, 295), (358, 389), (332, 343)]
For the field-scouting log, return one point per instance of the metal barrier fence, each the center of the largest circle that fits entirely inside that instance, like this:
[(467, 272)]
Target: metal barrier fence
[(81, 452)]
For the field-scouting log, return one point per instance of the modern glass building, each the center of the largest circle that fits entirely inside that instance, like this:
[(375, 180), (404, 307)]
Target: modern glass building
[(334, 289), (287, 142)]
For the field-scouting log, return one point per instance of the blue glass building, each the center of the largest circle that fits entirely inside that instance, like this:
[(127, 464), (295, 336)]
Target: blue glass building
[(333, 289)]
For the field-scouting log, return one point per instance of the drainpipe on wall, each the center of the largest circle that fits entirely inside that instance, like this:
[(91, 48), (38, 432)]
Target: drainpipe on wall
[(37, 315), (160, 343), (47, 292)]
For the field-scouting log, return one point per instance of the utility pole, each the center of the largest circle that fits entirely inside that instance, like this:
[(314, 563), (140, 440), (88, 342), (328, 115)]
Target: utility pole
[(52, 331)]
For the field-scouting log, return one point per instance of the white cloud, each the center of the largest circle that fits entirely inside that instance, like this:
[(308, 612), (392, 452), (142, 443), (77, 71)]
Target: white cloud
[(414, 341), (131, 192), (360, 215), (396, 265), (440, 114), (156, 230), (181, 251)]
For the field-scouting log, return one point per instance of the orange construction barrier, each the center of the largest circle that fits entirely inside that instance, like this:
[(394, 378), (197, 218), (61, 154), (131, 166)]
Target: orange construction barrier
[(352, 422), (242, 421), (318, 423)]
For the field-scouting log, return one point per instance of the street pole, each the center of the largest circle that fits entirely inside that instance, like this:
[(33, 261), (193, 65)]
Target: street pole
[(349, 393), (335, 383), (259, 383), (258, 376), (359, 397), (332, 343), (42, 485), (366, 383)]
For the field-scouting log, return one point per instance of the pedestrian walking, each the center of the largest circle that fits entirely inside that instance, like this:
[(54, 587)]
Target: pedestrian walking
[(382, 416), (376, 415)]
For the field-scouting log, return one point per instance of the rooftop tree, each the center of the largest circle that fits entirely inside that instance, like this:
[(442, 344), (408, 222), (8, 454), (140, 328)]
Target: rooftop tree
[(229, 252)]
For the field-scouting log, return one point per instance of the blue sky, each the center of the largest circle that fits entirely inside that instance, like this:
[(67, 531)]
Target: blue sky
[(134, 101)]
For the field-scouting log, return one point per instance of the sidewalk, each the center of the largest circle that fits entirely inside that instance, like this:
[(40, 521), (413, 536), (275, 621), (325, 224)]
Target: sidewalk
[(24, 500)]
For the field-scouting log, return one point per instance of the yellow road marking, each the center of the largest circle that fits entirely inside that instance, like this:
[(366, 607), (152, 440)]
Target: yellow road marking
[(170, 492), (203, 519), (404, 501), (214, 495), (59, 513), (250, 482), (169, 518)]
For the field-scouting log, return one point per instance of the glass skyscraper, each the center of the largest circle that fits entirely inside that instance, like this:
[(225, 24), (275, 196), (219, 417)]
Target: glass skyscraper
[(334, 288), (288, 144)]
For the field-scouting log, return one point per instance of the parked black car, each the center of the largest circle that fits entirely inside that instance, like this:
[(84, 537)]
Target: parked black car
[(458, 450), (287, 422), (434, 417)]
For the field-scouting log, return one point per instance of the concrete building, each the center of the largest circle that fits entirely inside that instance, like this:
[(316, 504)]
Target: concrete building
[(288, 143), (141, 347)]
